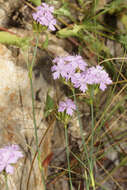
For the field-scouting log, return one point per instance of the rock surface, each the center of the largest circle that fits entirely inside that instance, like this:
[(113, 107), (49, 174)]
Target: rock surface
[(16, 120)]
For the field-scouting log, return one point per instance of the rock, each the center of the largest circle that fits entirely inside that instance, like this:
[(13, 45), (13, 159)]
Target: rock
[(6, 8), (16, 121)]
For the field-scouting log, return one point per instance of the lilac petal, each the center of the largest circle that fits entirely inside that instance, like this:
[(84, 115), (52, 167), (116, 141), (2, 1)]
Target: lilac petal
[(51, 27), (62, 106), (69, 111), (44, 16), (102, 86), (56, 75), (67, 105), (9, 169), (9, 155)]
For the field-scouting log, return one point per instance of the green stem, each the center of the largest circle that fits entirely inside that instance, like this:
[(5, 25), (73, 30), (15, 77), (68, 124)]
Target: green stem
[(92, 139), (67, 153), (32, 93), (5, 175), (41, 169), (81, 132), (80, 124), (30, 67)]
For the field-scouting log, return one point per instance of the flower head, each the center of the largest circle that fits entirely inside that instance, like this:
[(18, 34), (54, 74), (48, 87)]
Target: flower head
[(60, 69), (67, 106), (97, 75), (75, 69), (79, 81), (76, 62), (67, 66), (9, 155), (93, 75), (44, 16)]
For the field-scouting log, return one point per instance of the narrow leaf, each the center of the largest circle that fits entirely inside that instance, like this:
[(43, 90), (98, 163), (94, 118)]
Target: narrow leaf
[(10, 39), (36, 2), (64, 33), (49, 106)]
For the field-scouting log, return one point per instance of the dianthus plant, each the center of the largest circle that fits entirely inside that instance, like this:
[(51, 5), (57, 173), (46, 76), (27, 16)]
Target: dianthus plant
[(76, 70), (9, 155), (65, 111), (67, 66), (44, 16), (67, 106)]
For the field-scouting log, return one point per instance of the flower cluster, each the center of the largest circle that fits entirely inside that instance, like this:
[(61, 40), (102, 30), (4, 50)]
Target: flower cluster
[(97, 75), (75, 69), (67, 66), (44, 16), (67, 106), (9, 155)]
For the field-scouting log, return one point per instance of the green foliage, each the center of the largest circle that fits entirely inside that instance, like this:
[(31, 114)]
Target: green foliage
[(49, 106), (11, 39), (66, 32), (81, 2), (94, 44), (38, 28), (91, 26), (123, 40), (64, 11), (116, 6), (124, 21), (45, 43), (36, 2)]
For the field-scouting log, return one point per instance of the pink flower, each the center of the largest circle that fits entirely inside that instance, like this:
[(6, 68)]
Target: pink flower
[(67, 66), (75, 69), (9, 155), (97, 75), (67, 106), (79, 81), (60, 69), (76, 62), (44, 16), (92, 76)]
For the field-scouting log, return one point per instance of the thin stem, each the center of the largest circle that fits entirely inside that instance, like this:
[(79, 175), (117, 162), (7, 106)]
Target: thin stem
[(92, 138), (80, 124), (5, 175), (67, 153), (33, 110), (32, 93), (81, 132), (42, 173), (92, 123)]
